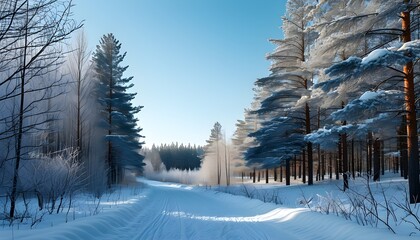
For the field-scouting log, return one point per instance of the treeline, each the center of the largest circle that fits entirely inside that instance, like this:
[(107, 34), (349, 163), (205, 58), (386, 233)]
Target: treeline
[(175, 156), (341, 95), (66, 121)]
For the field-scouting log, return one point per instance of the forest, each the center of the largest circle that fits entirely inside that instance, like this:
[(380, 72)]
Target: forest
[(342, 97), (67, 121), (340, 103), (175, 156)]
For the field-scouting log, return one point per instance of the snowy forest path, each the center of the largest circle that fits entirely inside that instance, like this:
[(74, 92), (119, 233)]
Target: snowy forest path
[(176, 211)]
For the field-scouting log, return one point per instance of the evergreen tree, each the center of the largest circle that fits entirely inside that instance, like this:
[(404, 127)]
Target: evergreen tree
[(122, 135), (180, 157), (289, 84), (213, 147), (382, 65)]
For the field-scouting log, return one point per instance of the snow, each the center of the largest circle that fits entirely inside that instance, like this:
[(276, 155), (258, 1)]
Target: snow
[(375, 55), (415, 44), (369, 95), (176, 211)]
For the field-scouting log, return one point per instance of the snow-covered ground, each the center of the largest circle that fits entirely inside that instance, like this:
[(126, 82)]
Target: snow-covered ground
[(175, 211)]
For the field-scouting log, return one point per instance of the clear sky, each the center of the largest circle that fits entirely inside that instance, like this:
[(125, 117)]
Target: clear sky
[(194, 62)]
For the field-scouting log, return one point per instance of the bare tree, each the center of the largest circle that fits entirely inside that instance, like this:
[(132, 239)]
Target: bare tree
[(79, 70), (33, 46)]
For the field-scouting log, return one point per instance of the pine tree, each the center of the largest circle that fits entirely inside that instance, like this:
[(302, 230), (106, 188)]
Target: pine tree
[(385, 66), (214, 148), (286, 104), (122, 135)]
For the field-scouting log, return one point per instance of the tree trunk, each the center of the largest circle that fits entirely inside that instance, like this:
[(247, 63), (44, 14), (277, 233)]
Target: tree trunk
[(281, 173), (345, 160), (353, 167), (304, 166), (403, 148), (275, 174), (112, 167), (226, 164), (330, 166), (79, 107), (338, 161), (410, 107), (287, 172), (323, 166), (13, 195), (376, 160), (218, 162), (266, 175), (382, 158), (369, 155), (309, 149), (360, 159)]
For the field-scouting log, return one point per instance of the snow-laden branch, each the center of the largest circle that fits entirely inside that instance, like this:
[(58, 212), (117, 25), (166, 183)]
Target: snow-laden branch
[(354, 67)]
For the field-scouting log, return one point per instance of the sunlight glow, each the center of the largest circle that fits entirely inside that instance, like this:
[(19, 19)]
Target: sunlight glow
[(276, 215), (120, 202)]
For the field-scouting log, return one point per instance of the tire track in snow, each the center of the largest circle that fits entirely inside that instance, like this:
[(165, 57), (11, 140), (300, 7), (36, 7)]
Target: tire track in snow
[(198, 214), (151, 229), (171, 211)]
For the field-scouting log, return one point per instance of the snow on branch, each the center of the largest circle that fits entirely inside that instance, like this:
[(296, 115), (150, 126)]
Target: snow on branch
[(354, 67), (369, 105)]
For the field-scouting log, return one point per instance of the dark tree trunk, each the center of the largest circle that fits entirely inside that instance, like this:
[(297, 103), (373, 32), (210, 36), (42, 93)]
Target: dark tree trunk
[(281, 173), (318, 170), (323, 166), (337, 162), (13, 195), (353, 167), (330, 166), (345, 161), (360, 160), (403, 148), (275, 174), (304, 166), (266, 175), (382, 158), (369, 155), (344, 156), (287, 172), (376, 160), (308, 149)]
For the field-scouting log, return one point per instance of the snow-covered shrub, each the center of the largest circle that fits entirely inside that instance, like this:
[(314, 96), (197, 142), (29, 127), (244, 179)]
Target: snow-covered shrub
[(372, 204), (51, 177)]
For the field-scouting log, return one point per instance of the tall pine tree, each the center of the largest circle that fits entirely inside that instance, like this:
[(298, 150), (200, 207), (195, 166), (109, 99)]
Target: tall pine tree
[(122, 133)]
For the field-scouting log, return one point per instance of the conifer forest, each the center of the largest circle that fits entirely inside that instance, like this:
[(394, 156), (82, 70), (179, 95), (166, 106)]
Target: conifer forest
[(327, 147)]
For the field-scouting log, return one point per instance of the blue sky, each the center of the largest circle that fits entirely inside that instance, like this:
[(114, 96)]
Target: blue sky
[(194, 62)]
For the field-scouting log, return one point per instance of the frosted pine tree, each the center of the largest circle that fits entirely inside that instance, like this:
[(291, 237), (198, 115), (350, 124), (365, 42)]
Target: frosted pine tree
[(122, 133), (288, 86), (388, 68), (214, 149)]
